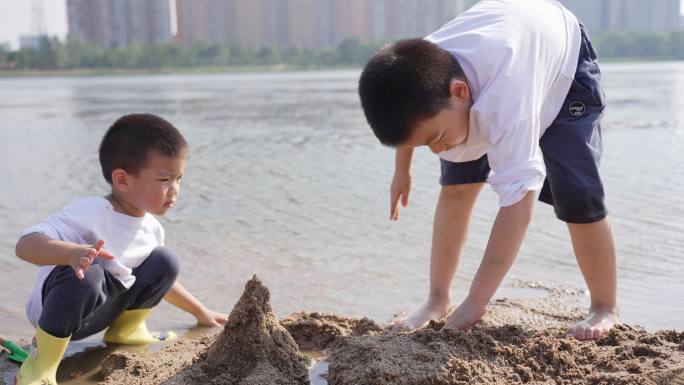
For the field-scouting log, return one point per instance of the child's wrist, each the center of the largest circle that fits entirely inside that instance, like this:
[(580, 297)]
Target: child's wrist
[(402, 172), (74, 254), (198, 310)]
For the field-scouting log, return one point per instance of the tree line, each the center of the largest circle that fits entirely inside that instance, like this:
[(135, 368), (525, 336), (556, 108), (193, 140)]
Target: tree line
[(54, 54)]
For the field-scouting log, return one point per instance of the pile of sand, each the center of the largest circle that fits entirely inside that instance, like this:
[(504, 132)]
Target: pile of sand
[(504, 355), (252, 349), (517, 342)]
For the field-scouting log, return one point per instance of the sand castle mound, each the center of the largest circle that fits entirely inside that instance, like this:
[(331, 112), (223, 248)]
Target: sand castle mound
[(252, 349)]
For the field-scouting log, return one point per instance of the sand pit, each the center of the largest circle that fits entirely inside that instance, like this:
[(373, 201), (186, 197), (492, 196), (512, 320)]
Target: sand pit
[(317, 332), (518, 342)]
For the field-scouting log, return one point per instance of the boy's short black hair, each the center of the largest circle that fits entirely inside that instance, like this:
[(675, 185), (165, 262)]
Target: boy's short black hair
[(129, 140), (404, 82)]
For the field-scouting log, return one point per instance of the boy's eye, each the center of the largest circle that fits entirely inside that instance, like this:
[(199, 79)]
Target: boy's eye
[(163, 180)]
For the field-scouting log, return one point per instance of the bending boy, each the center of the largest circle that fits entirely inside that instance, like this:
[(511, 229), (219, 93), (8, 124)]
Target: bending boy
[(507, 93)]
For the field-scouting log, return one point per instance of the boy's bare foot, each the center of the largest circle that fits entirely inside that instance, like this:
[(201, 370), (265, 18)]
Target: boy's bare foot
[(595, 326), (465, 316), (431, 310)]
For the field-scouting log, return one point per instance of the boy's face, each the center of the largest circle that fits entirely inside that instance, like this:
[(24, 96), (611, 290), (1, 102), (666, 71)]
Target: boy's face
[(155, 188), (449, 127)]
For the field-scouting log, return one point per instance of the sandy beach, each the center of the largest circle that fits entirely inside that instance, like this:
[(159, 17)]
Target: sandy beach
[(517, 342)]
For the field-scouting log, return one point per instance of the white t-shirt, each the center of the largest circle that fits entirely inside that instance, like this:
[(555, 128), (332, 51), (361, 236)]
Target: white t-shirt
[(519, 57), (87, 220)]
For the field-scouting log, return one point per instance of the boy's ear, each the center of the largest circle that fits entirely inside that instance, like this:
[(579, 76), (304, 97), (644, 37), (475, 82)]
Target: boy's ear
[(459, 88), (120, 179)]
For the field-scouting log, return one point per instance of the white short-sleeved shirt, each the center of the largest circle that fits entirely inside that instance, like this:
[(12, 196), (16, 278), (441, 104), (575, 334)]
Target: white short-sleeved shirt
[(87, 220), (519, 57)]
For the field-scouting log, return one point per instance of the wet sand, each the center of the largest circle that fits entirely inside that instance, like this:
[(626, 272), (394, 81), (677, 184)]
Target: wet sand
[(518, 342)]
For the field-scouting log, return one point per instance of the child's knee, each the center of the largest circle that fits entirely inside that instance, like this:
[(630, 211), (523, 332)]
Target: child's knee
[(65, 282), (90, 290), (165, 262)]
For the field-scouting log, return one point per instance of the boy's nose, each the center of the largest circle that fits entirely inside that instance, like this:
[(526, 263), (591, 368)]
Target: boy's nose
[(175, 188)]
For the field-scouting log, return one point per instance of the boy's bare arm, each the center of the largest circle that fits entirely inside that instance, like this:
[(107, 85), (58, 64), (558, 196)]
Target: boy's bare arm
[(181, 298), (401, 182), (504, 243), (42, 250)]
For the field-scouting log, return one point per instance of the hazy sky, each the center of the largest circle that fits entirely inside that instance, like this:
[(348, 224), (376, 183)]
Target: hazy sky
[(15, 19)]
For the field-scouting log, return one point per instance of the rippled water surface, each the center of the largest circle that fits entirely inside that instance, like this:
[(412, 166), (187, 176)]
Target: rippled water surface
[(286, 181)]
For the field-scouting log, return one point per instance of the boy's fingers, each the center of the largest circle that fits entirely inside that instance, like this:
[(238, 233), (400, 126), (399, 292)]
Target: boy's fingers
[(101, 252), (99, 244), (105, 254), (79, 273), (404, 199), (394, 211)]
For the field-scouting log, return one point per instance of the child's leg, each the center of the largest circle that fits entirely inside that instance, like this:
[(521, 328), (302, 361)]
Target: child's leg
[(70, 305), (572, 148), (450, 231), (78, 307), (595, 252), (153, 279)]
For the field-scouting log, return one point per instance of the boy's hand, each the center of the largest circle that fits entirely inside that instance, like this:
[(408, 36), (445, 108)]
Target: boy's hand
[(400, 188), (84, 256), (208, 317)]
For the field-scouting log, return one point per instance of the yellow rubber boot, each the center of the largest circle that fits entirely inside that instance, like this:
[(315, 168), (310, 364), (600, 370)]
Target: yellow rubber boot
[(130, 329), (40, 368)]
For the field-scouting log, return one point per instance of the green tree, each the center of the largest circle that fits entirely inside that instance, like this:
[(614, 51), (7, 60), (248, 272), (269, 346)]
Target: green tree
[(240, 55), (268, 55), (676, 44), (3, 58)]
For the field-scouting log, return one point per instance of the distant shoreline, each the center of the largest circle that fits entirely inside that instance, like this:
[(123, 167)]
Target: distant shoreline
[(230, 69), (165, 71)]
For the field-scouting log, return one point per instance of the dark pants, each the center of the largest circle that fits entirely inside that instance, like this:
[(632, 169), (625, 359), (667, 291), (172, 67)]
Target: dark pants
[(82, 307)]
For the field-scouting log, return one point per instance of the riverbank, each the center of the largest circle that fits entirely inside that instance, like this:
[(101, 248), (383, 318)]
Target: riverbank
[(518, 341), (163, 71)]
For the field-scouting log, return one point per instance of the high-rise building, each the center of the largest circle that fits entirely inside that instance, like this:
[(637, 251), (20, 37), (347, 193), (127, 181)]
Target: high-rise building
[(594, 14), (192, 18), (310, 23), (639, 15), (654, 15), (110, 23), (91, 21), (149, 21)]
